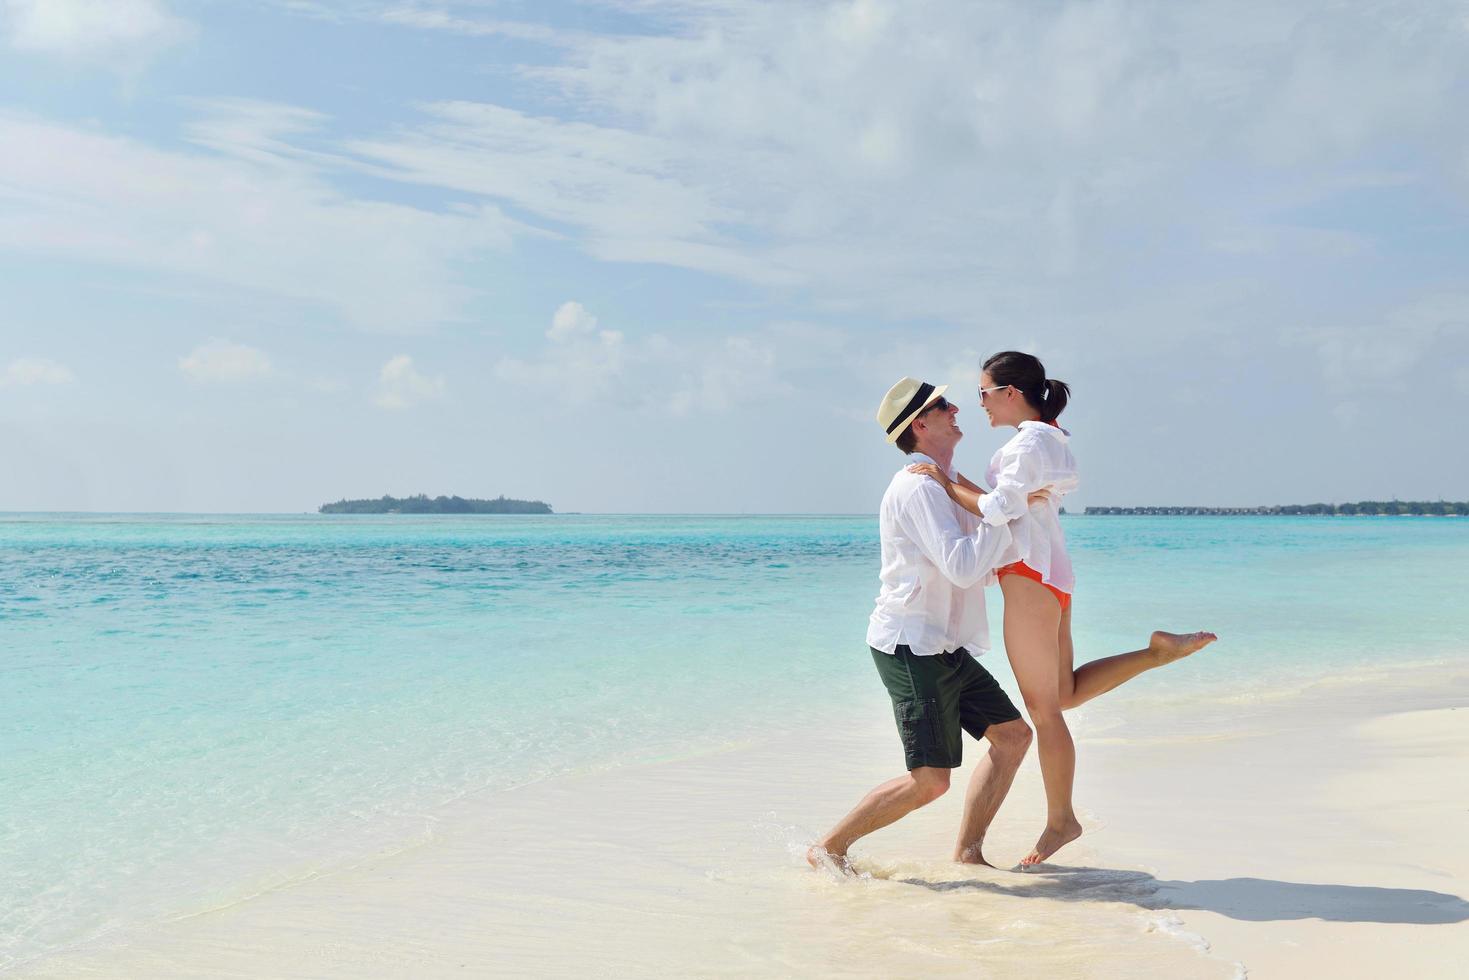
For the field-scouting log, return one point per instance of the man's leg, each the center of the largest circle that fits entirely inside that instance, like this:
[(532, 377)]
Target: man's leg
[(988, 786), (887, 803), (925, 707)]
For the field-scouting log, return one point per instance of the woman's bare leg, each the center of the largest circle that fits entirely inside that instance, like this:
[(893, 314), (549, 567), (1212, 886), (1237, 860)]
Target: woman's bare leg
[(1032, 628), (1100, 676)]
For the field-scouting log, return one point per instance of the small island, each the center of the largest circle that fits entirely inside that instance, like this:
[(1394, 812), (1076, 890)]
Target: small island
[(424, 504), (1365, 508)]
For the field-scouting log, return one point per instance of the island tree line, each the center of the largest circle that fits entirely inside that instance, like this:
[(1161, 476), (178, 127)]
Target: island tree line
[(424, 504), (1364, 508)]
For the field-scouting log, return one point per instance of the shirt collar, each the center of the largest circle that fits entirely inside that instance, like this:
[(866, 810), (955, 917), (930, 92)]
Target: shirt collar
[(925, 458), (1050, 427)]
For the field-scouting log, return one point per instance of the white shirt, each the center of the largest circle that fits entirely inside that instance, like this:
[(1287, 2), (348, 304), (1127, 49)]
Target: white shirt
[(1036, 458), (935, 559)]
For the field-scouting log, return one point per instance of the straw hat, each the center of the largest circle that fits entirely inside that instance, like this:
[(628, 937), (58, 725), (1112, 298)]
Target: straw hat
[(903, 402)]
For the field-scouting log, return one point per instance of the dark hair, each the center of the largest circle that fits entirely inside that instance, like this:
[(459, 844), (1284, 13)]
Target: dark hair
[(1026, 374)]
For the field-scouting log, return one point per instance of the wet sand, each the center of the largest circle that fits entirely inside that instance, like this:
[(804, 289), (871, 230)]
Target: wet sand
[(1309, 834)]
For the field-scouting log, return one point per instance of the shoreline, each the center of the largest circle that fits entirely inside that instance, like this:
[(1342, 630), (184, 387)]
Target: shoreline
[(692, 866)]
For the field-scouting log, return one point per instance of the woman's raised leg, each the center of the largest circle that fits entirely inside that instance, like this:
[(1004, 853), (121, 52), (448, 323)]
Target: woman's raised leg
[(1032, 628), (1083, 683)]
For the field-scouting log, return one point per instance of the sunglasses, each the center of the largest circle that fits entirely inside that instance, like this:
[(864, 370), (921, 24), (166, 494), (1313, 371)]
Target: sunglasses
[(940, 403), (986, 391)]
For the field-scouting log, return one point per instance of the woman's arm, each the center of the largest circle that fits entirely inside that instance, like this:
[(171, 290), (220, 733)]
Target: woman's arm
[(961, 492), (964, 493), (964, 482)]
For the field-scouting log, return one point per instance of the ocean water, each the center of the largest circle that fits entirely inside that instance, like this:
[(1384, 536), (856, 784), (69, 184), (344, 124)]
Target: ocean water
[(199, 708)]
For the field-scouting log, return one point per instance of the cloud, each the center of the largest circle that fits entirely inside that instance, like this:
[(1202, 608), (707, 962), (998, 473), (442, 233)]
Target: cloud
[(709, 374), (1380, 354), (223, 362), (115, 31), (571, 320), (252, 210), (737, 371), (413, 15), (580, 359), (27, 371), (954, 159), (328, 386), (972, 162), (400, 385)]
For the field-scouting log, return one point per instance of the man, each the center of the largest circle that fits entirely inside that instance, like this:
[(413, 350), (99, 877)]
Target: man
[(930, 612)]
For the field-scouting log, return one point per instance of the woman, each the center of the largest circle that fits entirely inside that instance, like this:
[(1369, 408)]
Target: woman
[(1036, 578)]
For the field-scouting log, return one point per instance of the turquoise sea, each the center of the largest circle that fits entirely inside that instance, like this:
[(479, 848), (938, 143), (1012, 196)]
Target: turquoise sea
[(200, 707)]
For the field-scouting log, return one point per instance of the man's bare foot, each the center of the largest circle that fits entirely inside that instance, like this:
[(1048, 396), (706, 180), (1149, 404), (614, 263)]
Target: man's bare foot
[(1052, 840), (823, 860), (973, 854), (1168, 647)]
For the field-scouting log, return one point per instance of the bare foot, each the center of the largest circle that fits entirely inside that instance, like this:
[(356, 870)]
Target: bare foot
[(973, 854), (1168, 647), (1052, 840), (834, 864)]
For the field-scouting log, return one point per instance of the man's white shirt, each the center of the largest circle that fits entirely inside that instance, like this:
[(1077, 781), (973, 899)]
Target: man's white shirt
[(936, 557)]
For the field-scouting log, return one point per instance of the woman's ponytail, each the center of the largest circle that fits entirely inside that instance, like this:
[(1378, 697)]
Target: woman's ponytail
[(1054, 396)]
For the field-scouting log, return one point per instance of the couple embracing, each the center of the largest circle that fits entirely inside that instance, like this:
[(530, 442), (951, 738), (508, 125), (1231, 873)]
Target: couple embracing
[(943, 539)]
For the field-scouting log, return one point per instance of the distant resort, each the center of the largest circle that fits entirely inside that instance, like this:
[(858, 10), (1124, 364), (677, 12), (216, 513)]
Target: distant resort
[(1365, 508), (424, 504)]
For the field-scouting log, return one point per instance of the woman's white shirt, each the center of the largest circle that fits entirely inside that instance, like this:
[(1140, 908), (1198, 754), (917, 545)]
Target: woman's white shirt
[(1036, 458)]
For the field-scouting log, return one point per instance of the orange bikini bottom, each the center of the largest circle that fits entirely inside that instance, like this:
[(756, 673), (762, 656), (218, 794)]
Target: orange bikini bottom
[(1025, 571)]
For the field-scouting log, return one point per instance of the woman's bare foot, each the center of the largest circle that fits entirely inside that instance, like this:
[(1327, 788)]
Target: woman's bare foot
[(1052, 840), (1168, 647), (823, 860)]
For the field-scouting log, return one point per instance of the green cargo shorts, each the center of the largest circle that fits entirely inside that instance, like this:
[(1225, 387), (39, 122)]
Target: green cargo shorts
[(935, 697)]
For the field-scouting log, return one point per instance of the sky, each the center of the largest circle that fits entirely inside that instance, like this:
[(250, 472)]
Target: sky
[(667, 255)]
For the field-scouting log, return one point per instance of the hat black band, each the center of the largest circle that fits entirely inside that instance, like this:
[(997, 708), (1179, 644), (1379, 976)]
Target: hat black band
[(924, 390)]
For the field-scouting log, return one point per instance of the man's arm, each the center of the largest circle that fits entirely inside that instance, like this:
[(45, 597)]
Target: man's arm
[(929, 518)]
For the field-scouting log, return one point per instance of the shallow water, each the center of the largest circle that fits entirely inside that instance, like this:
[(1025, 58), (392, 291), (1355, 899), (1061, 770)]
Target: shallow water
[(201, 707)]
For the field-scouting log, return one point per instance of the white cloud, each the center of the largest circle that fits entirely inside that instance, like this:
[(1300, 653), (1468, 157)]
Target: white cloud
[(943, 158), (695, 374), (571, 320), (328, 386), (116, 31), (580, 359), (26, 371), (1380, 354), (221, 361), (413, 15), (739, 370), (400, 385), (253, 212)]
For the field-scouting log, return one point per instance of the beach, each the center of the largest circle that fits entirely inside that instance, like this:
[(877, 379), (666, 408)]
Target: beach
[(1276, 838), (338, 770)]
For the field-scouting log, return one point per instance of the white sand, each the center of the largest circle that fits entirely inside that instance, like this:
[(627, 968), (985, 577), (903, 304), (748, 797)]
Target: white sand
[(1324, 837), (1317, 835)]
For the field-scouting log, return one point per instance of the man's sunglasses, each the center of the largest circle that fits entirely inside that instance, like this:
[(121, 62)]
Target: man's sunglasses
[(941, 403)]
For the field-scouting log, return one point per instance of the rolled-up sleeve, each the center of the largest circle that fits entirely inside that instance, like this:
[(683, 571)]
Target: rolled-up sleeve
[(932, 523), (1019, 476)]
